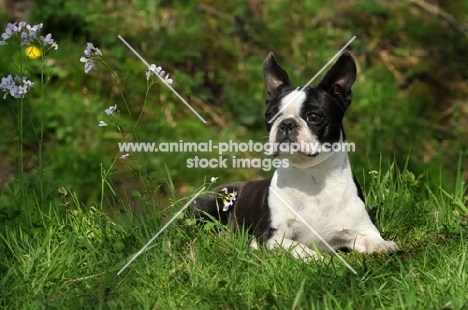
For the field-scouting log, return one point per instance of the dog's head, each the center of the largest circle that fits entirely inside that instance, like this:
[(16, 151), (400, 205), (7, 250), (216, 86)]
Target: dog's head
[(301, 122)]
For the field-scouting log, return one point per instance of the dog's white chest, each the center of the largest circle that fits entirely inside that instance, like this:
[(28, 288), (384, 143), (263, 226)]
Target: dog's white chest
[(324, 202)]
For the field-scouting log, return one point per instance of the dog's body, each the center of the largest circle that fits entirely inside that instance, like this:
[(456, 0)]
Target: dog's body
[(318, 184)]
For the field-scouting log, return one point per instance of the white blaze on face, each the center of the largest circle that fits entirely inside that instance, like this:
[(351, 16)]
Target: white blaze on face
[(292, 103)]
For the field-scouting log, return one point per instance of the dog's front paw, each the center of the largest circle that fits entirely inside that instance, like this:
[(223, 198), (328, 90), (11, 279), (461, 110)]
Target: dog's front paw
[(382, 247), (298, 250), (303, 252), (373, 243)]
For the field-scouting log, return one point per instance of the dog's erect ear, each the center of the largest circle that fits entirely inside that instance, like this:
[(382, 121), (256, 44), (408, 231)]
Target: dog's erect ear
[(340, 78), (275, 77)]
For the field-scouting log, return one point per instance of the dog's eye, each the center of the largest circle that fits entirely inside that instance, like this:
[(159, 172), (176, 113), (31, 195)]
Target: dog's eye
[(269, 116), (313, 118)]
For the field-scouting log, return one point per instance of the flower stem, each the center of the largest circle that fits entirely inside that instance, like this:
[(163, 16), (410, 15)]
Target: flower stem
[(148, 87), (116, 80)]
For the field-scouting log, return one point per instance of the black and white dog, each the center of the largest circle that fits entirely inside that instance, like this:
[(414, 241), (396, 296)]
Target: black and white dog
[(317, 184)]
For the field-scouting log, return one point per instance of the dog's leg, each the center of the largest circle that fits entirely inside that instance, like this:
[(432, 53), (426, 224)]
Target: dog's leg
[(298, 250), (364, 237), (254, 244)]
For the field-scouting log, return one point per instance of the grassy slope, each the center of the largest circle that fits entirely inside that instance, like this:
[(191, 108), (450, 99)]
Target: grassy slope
[(189, 266)]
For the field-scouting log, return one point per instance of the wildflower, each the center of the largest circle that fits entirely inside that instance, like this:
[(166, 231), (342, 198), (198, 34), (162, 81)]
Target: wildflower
[(27, 35), (47, 40), (91, 50), (168, 80), (89, 64), (90, 53), (6, 35), (152, 69), (229, 199), (33, 52), (125, 156), (102, 124), (31, 35), (111, 109), (227, 204), (11, 28), (374, 174), (16, 86), (213, 180)]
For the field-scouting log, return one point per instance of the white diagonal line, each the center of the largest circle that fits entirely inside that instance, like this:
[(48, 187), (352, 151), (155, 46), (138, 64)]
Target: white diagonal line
[(312, 79), (161, 230), (313, 230), (168, 85)]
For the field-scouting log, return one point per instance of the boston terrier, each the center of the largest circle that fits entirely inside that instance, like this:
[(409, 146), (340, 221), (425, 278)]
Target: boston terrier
[(315, 202)]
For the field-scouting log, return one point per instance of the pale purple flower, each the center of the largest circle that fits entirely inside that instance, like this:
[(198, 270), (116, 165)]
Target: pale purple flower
[(33, 31), (20, 27), (27, 83), (6, 35), (111, 109), (26, 33), (8, 32), (89, 64), (17, 86), (91, 50), (47, 40), (90, 53)]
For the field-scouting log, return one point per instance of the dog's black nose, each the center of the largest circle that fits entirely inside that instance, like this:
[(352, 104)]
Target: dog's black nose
[(288, 125)]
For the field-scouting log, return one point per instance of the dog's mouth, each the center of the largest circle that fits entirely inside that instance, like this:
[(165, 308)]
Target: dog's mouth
[(289, 150), (310, 155)]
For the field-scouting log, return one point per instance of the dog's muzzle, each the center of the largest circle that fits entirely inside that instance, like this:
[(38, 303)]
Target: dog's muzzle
[(287, 131), (287, 140)]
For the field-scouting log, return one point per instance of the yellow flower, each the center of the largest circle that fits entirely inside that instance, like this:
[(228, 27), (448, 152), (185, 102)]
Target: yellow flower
[(33, 52)]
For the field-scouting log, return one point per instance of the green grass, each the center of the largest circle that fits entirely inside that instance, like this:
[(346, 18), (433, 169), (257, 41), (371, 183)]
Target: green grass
[(71, 259)]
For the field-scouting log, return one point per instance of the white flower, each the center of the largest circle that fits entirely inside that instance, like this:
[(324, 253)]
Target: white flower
[(168, 80), (213, 180), (229, 199), (125, 156), (102, 123), (157, 70), (227, 204)]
